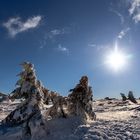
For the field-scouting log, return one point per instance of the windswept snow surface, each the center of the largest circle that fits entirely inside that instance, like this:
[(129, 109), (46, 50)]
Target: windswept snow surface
[(116, 120)]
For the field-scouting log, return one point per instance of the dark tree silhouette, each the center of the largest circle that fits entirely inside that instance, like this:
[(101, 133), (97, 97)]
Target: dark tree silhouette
[(124, 98), (131, 97)]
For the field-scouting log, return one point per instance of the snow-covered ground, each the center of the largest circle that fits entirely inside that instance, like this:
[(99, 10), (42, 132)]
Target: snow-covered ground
[(116, 120)]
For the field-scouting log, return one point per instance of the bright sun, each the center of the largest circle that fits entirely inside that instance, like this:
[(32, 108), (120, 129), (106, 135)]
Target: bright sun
[(116, 59)]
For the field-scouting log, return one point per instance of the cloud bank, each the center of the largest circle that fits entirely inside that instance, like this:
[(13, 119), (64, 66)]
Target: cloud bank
[(16, 25)]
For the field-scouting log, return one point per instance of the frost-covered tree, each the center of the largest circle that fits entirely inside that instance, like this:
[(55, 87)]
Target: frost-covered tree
[(131, 97), (30, 89), (124, 98), (81, 99)]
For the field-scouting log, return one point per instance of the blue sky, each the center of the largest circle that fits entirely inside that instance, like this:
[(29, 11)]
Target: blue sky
[(66, 39)]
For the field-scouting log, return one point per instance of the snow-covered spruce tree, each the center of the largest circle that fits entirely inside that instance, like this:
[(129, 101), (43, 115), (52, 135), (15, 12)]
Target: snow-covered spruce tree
[(30, 89), (81, 100)]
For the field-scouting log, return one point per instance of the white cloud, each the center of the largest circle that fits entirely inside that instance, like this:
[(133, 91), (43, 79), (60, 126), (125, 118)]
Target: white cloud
[(51, 35), (123, 33), (56, 32), (134, 10), (16, 26), (135, 4), (62, 49), (136, 18)]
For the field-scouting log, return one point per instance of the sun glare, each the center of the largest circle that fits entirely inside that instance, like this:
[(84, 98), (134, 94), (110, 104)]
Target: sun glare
[(116, 59)]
